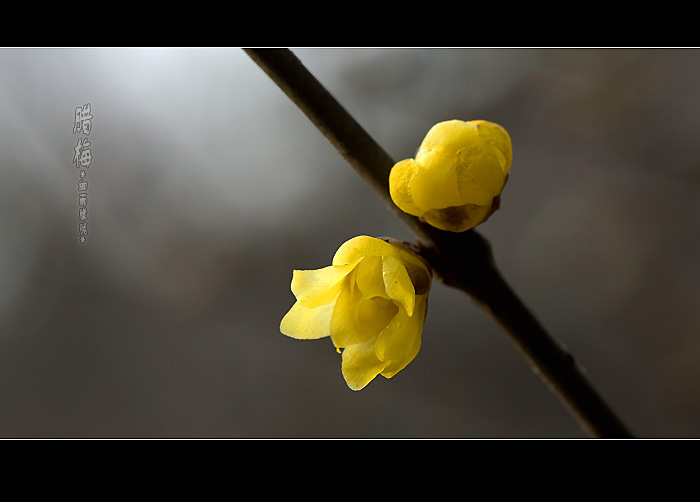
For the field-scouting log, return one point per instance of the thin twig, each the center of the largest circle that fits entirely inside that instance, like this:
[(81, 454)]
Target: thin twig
[(460, 260)]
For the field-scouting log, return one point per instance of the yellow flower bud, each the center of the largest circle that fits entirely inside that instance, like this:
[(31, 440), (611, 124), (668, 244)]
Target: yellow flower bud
[(371, 301), (455, 181)]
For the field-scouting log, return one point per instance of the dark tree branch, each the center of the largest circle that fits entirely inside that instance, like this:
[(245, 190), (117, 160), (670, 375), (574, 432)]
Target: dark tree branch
[(461, 260)]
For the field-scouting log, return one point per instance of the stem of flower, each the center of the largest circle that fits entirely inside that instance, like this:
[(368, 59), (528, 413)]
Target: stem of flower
[(460, 260)]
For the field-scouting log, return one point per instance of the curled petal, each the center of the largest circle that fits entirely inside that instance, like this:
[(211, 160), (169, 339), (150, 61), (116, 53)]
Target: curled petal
[(369, 277), (398, 283), (361, 246), (400, 341), (357, 318), (307, 323), (479, 175), (400, 179), (497, 137), (435, 185), (361, 365), (319, 287), (446, 139)]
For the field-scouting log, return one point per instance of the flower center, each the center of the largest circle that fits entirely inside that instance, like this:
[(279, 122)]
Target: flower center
[(376, 313)]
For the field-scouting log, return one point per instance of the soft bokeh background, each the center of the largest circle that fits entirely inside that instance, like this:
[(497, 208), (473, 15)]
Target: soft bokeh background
[(208, 187)]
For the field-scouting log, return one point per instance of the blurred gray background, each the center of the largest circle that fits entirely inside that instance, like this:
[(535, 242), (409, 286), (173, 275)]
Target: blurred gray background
[(208, 187)]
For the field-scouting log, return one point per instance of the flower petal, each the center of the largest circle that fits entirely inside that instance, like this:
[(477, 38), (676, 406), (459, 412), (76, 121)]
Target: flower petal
[(480, 174), (398, 283), (417, 268), (400, 179), (307, 323), (361, 246), (496, 136), (361, 365), (319, 287), (435, 183), (400, 341), (369, 277), (447, 138), (345, 324), (356, 318)]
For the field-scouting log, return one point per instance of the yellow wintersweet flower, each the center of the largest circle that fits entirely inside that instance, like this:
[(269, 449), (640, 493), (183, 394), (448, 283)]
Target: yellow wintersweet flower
[(455, 181), (371, 301)]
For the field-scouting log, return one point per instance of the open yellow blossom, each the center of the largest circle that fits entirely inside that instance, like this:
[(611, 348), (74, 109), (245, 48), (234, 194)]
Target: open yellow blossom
[(371, 301), (455, 181)]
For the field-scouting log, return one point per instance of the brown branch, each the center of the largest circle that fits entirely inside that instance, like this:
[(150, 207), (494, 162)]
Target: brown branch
[(461, 260)]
